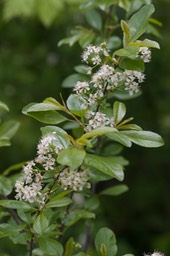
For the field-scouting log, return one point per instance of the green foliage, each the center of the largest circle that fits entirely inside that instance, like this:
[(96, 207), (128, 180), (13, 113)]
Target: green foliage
[(57, 189)]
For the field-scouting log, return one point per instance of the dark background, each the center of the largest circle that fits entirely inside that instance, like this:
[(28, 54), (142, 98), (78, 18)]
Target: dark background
[(32, 67)]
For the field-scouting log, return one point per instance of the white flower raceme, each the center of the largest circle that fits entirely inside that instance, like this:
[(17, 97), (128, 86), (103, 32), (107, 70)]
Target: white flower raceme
[(75, 180), (29, 189), (47, 150)]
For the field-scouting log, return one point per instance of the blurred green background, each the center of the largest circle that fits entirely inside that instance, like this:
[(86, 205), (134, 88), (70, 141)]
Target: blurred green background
[(32, 67)]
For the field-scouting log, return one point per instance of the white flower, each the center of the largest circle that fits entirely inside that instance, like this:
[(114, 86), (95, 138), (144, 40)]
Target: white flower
[(98, 119), (75, 180), (30, 192), (156, 253), (145, 54), (81, 87), (132, 79)]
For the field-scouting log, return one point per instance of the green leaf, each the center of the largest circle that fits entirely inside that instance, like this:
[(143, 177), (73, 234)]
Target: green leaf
[(48, 10), (53, 102), (4, 142), (144, 138), (77, 215), (5, 186), (146, 42), (130, 127), (7, 229), (129, 51), (82, 69), (21, 238), (86, 38), (58, 202), (71, 80), (108, 165), (119, 111), (114, 190), (61, 137), (3, 106), (41, 223), (95, 133), (130, 64), (72, 157), (121, 138), (70, 246), (139, 21), (105, 242), (126, 35), (72, 39), (50, 246), (74, 104), (13, 204), (94, 19), (14, 8), (8, 129), (44, 113)]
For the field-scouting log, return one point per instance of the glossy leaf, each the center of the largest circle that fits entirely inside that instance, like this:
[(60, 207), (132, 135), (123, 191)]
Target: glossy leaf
[(129, 51), (8, 129), (126, 32), (130, 64), (139, 21), (5, 186), (121, 138), (95, 133), (61, 137), (119, 111), (76, 215), (114, 190), (108, 165), (44, 112), (13, 204), (3, 106), (144, 138), (146, 42), (58, 202), (50, 246), (94, 19), (72, 157), (71, 80), (105, 242), (130, 127), (74, 104), (41, 223)]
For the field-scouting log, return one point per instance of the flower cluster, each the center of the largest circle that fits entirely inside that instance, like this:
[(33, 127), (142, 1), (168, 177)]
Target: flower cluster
[(145, 54), (154, 254), (98, 119), (132, 80), (30, 187), (94, 54), (74, 179), (48, 148)]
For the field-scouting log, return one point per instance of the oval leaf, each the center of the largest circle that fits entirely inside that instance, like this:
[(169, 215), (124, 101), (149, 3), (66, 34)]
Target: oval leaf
[(119, 111), (72, 157), (144, 138), (106, 239), (108, 165)]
